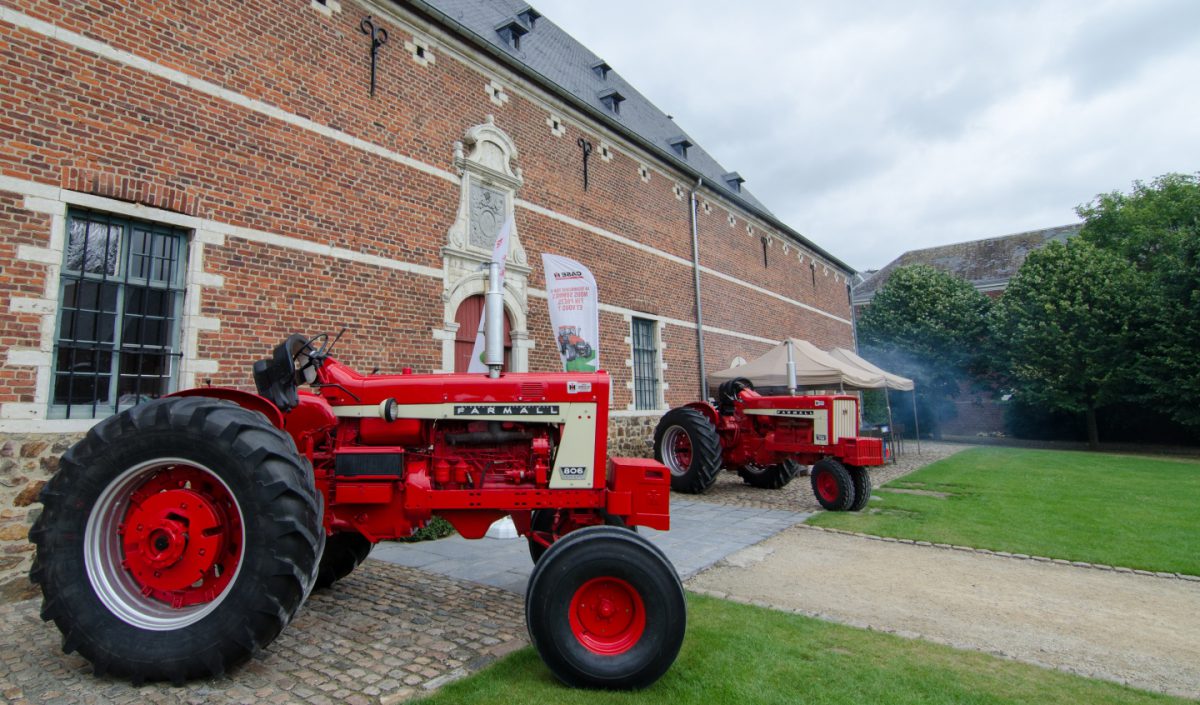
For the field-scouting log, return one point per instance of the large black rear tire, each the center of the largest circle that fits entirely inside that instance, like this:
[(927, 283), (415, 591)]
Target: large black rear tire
[(344, 551), (605, 609), (832, 485), (861, 477), (771, 477), (173, 491), (686, 442)]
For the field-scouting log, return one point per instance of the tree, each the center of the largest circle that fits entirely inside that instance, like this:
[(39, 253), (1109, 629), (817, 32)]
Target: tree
[(1066, 324), (1157, 228), (930, 326)]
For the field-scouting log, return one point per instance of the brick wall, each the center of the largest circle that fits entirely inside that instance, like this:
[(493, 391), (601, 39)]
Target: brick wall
[(256, 117)]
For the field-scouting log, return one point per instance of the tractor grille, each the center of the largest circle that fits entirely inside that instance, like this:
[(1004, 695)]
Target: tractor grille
[(533, 391), (356, 464)]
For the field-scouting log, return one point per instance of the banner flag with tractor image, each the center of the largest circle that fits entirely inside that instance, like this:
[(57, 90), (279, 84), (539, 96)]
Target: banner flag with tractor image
[(499, 256), (574, 313)]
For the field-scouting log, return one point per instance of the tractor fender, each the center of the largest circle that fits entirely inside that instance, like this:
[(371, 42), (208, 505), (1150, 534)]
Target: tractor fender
[(247, 400), (707, 409)]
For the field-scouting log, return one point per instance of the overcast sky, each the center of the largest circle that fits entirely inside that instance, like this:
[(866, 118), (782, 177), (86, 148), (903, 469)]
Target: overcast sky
[(876, 127)]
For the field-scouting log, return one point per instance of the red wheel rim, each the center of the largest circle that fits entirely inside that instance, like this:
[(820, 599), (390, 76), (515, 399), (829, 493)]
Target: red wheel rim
[(607, 616), (827, 486), (682, 450), (181, 537)]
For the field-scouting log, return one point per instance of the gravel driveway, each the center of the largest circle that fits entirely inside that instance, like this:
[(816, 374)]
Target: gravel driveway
[(1135, 629)]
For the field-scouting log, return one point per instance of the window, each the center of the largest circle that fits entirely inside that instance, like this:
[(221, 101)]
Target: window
[(601, 69), (511, 32), (611, 99), (734, 181), (645, 364), (681, 145), (529, 17), (121, 296)]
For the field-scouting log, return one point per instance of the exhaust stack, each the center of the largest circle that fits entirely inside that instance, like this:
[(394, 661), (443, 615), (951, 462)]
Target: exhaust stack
[(493, 325), (791, 369)]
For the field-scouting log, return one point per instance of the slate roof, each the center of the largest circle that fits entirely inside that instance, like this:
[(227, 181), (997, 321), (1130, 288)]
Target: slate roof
[(987, 264), (549, 53)]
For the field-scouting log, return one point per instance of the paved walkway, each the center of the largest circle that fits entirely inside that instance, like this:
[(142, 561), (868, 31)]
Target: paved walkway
[(382, 635), (701, 534), (1135, 629)]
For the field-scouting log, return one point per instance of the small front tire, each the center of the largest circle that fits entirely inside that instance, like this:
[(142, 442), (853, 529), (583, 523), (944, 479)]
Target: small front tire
[(770, 477), (861, 477), (832, 485), (344, 551), (606, 609)]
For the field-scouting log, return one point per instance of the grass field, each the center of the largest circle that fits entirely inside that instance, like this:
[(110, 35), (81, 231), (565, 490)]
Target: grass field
[(737, 654), (1118, 510)]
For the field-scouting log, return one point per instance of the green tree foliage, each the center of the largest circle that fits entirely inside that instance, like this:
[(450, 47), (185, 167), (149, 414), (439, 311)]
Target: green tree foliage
[(1157, 228), (930, 326), (1066, 328)]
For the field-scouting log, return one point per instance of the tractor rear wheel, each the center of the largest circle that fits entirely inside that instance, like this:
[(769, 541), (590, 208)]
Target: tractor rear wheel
[(770, 477), (861, 477), (832, 485), (686, 442), (605, 609), (177, 539), (344, 551)]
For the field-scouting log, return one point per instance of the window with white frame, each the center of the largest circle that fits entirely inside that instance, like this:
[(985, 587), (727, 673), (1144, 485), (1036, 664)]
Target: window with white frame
[(647, 380), (117, 341)]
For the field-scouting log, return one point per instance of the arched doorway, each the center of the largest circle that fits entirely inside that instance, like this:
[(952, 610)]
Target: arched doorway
[(467, 317)]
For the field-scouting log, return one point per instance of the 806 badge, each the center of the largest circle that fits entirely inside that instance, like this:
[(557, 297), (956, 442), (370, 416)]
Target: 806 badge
[(573, 470)]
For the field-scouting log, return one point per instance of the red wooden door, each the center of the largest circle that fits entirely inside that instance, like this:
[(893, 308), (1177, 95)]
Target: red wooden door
[(468, 316)]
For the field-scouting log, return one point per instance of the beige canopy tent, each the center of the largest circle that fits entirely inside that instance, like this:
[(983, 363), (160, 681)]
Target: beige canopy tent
[(816, 368), (849, 357)]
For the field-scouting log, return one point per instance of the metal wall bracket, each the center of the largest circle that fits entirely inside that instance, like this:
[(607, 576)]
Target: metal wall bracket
[(379, 37)]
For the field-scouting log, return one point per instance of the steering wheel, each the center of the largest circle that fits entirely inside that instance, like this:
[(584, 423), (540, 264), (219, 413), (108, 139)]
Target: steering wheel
[(306, 355)]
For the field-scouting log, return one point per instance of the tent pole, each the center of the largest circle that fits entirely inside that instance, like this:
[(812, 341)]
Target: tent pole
[(887, 398), (916, 421)]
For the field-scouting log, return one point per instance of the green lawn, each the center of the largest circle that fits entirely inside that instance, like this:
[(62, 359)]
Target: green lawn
[(1118, 510), (737, 654)]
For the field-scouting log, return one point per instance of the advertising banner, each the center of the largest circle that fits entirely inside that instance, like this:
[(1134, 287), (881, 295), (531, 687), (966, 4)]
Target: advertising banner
[(574, 313), (499, 256)]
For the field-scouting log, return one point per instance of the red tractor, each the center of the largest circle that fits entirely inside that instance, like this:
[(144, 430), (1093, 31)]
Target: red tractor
[(182, 535), (765, 439)]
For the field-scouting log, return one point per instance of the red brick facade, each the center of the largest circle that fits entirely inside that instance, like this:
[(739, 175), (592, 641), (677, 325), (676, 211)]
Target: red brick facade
[(257, 116)]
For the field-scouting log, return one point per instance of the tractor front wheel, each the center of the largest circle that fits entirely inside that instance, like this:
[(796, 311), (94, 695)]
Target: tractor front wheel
[(833, 485), (344, 551), (861, 478), (688, 445), (545, 528), (177, 538), (605, 609), (770, 477)]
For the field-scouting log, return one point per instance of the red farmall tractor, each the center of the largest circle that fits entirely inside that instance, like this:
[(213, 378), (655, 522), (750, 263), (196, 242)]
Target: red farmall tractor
[(182, 535), (765, 439)]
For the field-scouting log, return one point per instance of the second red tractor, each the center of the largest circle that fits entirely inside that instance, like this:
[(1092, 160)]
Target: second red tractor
[(766, 440)]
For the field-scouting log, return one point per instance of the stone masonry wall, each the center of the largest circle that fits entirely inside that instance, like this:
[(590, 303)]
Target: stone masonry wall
[(632, 436), (26, 462)]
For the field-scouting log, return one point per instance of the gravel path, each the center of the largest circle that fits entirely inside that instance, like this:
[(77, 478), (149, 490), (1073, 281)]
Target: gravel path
[(1140, 630), (798, 495)]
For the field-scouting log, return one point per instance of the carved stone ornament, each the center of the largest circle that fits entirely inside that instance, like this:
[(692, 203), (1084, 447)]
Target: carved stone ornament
[(485, 158)]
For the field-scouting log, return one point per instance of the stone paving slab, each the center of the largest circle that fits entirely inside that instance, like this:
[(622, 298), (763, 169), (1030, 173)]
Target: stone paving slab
[(384, 634), (701, 534)]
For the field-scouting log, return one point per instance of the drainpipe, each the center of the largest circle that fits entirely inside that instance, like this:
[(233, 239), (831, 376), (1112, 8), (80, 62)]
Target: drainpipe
[(696, 277)]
